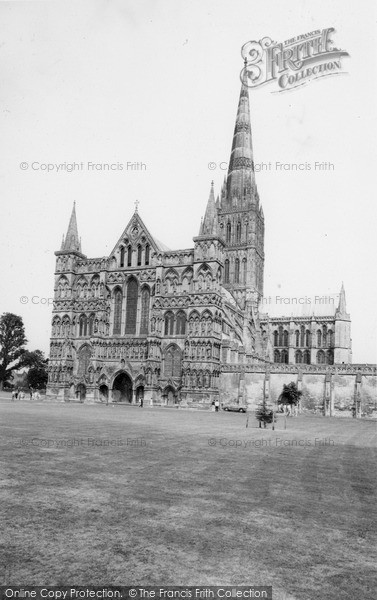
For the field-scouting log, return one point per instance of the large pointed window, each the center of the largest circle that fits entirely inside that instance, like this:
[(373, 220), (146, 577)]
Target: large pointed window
[(83, 325), (144, 320), (122, 257), (181, 324), (118, 299), (147, 251), (91, 325), (169, 323), (244, 262), (237, 271), (129, 256), (131, 306), (172, 363), (226, 271), (139, 250), (238, 233), (228, 232)]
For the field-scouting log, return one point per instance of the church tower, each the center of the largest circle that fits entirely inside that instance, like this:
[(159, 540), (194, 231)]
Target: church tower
[(240, 216)]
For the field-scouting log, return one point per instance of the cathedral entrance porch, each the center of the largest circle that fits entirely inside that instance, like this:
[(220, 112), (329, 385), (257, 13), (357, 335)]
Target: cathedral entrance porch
[(81, 392), (104, 393), (169, 396), (122, 390)]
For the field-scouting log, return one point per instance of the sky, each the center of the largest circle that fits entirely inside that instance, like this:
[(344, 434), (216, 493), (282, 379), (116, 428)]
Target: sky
[(156, 84)]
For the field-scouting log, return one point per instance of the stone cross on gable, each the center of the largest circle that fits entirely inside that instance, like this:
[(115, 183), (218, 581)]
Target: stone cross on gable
[(136, 205)]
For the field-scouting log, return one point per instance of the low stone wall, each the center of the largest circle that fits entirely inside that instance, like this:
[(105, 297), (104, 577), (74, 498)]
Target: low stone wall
[(336, 390)]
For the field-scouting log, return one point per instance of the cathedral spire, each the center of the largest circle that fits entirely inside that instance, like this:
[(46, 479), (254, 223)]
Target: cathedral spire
[(209, 224), (72, 242), (240, 186), (342, 310)]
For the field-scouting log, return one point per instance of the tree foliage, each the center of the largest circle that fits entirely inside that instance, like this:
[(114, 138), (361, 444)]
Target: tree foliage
[(33, 359), (290, 394), (37, 376), (12, 342), (264, 413)]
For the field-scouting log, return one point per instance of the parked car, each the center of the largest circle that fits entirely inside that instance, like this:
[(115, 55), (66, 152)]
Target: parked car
[(235, 407)]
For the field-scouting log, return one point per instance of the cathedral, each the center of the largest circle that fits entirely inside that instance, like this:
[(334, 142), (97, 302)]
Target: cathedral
[(183, 327)]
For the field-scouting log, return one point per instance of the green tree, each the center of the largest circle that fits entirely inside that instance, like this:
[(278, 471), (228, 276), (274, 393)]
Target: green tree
[(12, 342), (290, 395)]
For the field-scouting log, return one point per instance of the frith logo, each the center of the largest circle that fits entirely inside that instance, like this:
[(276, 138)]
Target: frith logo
[(292, 63)]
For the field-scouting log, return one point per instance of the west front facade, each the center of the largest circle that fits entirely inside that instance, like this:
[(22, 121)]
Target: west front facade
[(184, 327)]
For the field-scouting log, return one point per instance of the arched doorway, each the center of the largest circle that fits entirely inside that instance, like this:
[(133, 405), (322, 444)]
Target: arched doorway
[(122, 388), (81, 392), (140, 394), (170, 396), (103, 393)]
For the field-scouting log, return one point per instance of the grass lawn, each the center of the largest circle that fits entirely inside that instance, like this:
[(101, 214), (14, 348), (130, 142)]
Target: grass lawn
[(187, 498)]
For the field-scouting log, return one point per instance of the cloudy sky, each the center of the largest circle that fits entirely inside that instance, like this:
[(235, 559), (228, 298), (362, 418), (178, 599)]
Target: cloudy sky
[(157, 82)]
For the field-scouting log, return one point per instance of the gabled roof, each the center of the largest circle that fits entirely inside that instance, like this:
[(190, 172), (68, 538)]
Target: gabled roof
[(135, 229)]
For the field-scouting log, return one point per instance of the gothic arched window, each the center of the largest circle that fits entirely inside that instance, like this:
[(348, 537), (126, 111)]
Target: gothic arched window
[(226, 272), (302, 336), (297, 335), (284, 356), (330, 334), (276, 339), (277, 356), (91, 324), (172, 363), (129, 256), (298, 357), (169, 323), (84, 356), (307, 357), (139, 250), (237, 271), (238, 233), (324, 336), (319, 338), (181, 324), (118, 299), (320, 357), (83, 325), (307, 338), (131, 306), (280, 336), (147, 251), (244, 262), (122, 256), (285, 338), (144, 319), (228, 232)]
